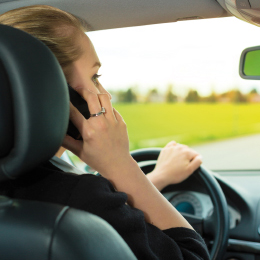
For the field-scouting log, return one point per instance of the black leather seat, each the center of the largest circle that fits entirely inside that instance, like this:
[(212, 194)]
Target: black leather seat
[(34, 112)]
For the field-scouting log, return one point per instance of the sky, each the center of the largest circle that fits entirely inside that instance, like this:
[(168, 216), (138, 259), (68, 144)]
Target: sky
[(200, 54)]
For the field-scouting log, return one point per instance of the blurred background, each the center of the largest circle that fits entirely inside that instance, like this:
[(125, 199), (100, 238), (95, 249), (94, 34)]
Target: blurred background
[(180, 81)]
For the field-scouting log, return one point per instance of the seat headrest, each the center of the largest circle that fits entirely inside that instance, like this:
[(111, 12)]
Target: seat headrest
[(34, 103)]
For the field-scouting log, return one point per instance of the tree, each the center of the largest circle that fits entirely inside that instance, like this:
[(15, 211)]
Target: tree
[(128, 96), (253, 96), (234, 96), (169, 96), (153, 96), (212, 98), (253, 91), (237, 96), (192, 96)]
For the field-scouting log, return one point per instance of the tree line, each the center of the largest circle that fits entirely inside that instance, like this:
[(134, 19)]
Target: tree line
[(131, 95)]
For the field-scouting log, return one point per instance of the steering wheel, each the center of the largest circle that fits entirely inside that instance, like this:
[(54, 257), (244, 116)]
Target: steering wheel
[(214, 228)]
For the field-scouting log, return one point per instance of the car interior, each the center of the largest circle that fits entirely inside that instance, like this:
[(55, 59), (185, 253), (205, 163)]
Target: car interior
[(41, 230), (224, 209)]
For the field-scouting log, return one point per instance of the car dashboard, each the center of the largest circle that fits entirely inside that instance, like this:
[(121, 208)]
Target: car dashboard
[(199, 205), (242, 191)]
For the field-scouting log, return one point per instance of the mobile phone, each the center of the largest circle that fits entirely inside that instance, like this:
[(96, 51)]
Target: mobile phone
[(82, 106)]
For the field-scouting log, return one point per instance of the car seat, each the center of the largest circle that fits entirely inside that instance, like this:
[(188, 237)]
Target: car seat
[(34, 114)]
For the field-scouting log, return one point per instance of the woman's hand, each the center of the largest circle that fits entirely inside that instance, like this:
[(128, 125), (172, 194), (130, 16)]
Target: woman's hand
[(105, 148), (105, 145), (176, 162)]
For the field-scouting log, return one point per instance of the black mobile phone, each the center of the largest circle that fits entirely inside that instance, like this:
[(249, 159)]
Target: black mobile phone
[(82, 106)]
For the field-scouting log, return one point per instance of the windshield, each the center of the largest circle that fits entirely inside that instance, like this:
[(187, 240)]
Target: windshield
[(180, 81)]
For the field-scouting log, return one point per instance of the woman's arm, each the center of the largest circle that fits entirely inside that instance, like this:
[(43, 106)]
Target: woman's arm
[(105, 147)]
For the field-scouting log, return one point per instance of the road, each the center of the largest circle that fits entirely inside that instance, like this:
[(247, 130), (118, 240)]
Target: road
[(231, 154), (235, 153)]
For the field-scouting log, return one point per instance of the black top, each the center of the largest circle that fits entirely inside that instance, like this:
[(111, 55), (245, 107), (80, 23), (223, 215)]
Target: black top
[(96, 194)]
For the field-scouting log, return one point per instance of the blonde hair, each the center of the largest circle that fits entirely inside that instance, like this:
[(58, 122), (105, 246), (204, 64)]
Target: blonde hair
[(57, 29)]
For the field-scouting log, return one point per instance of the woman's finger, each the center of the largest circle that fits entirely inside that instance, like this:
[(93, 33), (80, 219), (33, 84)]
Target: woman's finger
[(77, 119), (195, 163), (119, 118), (192, 154), (92, 99), (103, 91), (106, 103), (172, 143), (75, 146)]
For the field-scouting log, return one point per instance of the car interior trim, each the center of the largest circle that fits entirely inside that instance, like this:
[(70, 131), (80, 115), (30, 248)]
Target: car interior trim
[(101, 14), (243, 246)]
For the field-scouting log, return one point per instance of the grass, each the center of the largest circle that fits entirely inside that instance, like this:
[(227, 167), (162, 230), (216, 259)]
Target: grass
[(154, 125)]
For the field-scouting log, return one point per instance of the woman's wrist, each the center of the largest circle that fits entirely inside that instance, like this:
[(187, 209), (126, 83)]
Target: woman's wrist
[(122, 166), (158, 180)]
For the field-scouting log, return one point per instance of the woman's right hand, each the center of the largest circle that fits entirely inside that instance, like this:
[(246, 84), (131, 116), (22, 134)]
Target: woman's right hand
[(105, 148), (105, 145)]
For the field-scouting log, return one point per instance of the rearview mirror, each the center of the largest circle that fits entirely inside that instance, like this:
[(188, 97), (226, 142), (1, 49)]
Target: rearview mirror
[(249, 67)]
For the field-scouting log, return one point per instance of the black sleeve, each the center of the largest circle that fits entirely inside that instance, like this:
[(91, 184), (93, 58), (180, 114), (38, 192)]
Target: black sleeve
[(97, 195), (190, 243)]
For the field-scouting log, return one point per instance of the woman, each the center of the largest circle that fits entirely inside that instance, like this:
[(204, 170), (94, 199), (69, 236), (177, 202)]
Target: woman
[(124, 196)]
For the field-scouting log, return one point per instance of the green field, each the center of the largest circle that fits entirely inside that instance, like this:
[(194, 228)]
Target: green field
[(153, 125)]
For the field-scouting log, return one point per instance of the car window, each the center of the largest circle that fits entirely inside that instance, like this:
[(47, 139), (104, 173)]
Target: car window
[(180, 81)]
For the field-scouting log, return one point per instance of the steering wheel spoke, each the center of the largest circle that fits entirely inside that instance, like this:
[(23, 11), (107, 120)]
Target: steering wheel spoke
[(209, 225), (204, 226)]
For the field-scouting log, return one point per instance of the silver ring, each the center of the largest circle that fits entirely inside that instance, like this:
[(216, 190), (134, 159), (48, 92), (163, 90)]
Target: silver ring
[(103, 110)]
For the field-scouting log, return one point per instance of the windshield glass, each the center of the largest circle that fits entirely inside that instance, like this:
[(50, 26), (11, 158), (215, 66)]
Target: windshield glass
[(180, 81)]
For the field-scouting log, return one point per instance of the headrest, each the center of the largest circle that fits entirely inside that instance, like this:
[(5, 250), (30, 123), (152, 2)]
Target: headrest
[(34, 103)]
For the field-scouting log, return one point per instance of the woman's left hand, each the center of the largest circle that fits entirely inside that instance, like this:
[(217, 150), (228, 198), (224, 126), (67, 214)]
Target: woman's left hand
[(176, 163)]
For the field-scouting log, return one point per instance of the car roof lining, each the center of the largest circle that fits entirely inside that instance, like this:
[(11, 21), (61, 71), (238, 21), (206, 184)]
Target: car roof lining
[(100, 14)]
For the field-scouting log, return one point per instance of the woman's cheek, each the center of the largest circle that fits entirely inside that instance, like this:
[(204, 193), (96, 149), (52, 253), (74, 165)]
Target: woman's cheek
[(92, 88)]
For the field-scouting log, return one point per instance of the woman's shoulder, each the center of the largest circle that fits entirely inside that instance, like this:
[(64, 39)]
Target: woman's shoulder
[(49, 183), (95, 192), (82, 190), (80, 184), (84, 181)]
